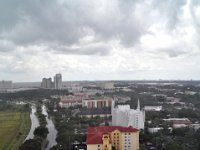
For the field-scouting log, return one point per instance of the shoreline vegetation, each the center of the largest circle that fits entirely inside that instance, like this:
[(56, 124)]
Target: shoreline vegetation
[(15, 124)]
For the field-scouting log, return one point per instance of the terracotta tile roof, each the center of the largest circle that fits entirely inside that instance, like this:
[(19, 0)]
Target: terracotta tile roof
[(94, 134)]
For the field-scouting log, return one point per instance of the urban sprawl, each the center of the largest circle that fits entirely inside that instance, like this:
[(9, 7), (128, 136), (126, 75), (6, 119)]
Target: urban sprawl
[(112, 115)]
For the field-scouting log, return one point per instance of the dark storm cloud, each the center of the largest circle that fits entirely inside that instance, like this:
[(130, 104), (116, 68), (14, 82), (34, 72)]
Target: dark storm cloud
[(27, 22), (64, 23)]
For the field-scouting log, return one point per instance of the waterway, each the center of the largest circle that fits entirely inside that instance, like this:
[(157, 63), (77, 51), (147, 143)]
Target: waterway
[(34, 123), (51, 136)]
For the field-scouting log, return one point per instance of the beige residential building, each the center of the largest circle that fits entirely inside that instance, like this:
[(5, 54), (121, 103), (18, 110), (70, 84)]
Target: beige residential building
[(106, 137)]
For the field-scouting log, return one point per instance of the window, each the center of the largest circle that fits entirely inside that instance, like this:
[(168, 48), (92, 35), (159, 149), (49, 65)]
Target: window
[(99, 148)]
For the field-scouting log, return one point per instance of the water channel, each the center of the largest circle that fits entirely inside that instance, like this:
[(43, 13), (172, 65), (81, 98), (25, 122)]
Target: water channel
[(34, 123), (51, 136)]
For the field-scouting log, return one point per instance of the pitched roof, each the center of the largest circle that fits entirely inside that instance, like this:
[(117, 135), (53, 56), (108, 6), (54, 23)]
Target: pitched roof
[(94, 134)]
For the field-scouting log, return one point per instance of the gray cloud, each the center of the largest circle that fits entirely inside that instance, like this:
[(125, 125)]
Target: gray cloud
[(170, 9), (174, 52), (98, 49), (42, 22), (34, 32), (6, 46), (194, 4)]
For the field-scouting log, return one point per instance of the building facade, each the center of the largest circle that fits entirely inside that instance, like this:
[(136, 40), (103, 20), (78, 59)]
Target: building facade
[(72, 100), (58, 81), (106, 137), (97, 102), (5, 85), (123, 115), (106, 85), (46, 83)]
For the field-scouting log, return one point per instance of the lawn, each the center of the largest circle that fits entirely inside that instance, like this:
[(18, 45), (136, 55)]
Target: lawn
[(14, 126)]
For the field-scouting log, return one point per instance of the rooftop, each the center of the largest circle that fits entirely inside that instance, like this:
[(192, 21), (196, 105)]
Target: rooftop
[(94, 134)]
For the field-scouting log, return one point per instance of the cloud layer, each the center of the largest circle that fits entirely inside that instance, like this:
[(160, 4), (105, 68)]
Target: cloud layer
[(91, 40)]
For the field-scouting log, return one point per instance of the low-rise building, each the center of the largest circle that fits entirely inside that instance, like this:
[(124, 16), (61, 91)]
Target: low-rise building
[(106, 85), (106, 137), (122, 99), (179, 122), (190, 92), (154, 129), (195, 126), (72, 100), (153, 108)]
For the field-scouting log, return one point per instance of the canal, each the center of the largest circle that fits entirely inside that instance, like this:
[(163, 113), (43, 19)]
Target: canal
[(51, 136), (34, 123)]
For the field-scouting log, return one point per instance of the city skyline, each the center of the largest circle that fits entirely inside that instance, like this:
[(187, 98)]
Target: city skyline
[(104, 40)]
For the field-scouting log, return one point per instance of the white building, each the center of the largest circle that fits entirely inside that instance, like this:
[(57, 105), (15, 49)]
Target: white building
[(154, 129), (58, 81), (123, 115), (179, 122), (153, 108), (5, 85)]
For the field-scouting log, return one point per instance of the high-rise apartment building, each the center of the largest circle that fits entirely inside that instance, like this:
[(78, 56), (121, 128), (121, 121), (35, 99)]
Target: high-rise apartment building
[(46, 83), (58, 81), (5, 85)]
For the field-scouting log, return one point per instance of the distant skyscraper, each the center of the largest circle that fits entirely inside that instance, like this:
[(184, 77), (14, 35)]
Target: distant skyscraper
[(46, 83), (58, 81), (5, 85)]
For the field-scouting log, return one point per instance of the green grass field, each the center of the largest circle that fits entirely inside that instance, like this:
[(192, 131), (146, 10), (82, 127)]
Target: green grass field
[(14, 126)]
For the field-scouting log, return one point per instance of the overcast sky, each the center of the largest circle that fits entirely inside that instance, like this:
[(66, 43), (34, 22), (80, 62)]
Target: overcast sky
[(99, 39)]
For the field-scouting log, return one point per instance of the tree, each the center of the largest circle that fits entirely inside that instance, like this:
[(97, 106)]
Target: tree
[(173, 146), (31, 144), (41, 131)]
